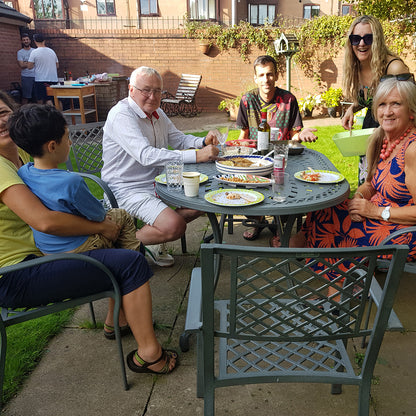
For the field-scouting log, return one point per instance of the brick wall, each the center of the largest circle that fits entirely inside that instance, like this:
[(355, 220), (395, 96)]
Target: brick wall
[(224, 74), (9, 69)]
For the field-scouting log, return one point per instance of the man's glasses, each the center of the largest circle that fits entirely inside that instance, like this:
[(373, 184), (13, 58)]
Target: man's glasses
[(399, 77), (148, 92), (356, 39)]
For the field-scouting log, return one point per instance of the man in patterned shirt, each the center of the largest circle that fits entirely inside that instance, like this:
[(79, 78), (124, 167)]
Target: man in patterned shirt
[(283, 109)]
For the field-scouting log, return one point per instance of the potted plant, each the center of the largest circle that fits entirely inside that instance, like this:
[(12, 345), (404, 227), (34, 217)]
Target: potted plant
[(332, 99), (230, 105), (307, 104)]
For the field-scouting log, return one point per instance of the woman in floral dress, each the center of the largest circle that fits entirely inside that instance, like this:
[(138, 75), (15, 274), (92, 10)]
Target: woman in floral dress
[(385, 202)]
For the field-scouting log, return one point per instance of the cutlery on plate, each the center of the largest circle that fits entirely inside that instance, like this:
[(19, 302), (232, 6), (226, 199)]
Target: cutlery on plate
[(240, 196), (264, 157)]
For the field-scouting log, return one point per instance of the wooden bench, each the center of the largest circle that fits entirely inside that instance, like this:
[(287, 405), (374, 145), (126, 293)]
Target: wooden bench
[(183, 102)]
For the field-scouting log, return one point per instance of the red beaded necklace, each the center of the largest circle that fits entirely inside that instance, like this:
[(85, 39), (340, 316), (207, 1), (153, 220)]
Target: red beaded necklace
[(385, 153)]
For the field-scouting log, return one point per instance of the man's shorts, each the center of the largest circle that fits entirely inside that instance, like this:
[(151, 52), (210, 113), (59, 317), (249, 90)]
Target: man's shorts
[(143, 205), (40, 90), (28, 87)]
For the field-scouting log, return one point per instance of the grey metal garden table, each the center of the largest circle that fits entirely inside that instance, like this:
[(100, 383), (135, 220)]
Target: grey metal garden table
[(303, 197)]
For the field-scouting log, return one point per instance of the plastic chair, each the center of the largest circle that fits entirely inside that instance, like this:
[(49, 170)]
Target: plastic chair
[(87, 151), (10, 316), (274, 321), (183, 102)]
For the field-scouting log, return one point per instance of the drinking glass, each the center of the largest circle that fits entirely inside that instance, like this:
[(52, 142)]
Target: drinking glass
[(174, 171), (222, 135), (280, 186)]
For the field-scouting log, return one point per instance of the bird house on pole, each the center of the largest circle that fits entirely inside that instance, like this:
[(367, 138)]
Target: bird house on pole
[(287, 45)]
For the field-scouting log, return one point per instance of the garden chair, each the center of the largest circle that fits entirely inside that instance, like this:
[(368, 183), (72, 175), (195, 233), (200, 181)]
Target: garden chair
[(271, 319), (183, 102), (11, 317), (87, 151)]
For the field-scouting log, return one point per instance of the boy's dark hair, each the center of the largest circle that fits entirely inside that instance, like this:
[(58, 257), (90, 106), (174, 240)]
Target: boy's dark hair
[(33, 125), (263, 60)]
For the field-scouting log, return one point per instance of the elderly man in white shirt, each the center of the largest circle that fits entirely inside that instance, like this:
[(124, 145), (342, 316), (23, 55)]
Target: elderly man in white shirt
[(135, 150)]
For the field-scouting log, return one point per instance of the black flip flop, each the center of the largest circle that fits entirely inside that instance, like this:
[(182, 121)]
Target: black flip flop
[(257, 229)]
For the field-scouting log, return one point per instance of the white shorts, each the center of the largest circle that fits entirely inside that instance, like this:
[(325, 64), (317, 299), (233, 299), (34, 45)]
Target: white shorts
[(142, 205)]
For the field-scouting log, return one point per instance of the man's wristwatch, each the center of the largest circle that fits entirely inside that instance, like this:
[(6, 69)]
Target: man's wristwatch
[(385, 214)]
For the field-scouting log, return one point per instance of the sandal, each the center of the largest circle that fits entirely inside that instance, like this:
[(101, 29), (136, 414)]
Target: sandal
[(257, 230), (110, 334), (144, 365)]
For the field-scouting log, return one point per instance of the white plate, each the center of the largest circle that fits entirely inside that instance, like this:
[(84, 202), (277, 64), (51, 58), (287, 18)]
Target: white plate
[(243, 197), (251, 181), (162, 178), (266, 167), (326, 176)]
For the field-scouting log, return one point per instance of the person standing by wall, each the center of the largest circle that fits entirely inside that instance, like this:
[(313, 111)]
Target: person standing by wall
[(27, 75), (46, 63)]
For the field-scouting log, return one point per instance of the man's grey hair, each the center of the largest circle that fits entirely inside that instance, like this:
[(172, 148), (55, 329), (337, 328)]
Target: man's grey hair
[(143, 70)]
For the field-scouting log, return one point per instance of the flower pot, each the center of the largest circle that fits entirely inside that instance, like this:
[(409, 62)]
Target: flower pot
[(332, 111), (307, 113), (204, 47), (233, 111)]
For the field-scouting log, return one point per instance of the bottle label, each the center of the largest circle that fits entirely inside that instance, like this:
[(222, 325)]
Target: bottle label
[(263, 140)]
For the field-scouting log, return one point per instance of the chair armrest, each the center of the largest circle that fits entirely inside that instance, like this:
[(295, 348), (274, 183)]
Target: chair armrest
[(104, 187), (397, 233), (64, 256), (193, 315)]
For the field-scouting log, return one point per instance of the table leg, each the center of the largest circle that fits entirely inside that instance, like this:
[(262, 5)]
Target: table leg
[(82, 109)]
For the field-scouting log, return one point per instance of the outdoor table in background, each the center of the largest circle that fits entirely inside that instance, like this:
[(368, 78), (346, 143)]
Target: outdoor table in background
[(72, 92)]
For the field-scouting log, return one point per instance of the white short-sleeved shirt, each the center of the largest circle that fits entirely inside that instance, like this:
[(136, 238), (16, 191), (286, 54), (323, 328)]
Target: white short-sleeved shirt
[(45, 61)]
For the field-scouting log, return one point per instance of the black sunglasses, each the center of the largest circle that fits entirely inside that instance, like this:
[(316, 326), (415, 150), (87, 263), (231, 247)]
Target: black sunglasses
[(356, 39), (399, 77)]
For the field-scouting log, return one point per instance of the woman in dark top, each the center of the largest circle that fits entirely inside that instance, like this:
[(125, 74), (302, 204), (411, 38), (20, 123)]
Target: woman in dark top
[(366, 60)]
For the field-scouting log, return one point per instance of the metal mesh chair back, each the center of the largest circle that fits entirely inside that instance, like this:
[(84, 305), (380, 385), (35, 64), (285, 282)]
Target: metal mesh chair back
[(87, 147), (278, 317)]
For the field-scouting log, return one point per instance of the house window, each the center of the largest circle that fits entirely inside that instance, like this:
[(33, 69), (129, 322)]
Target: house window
[(346, 9), (48, 9), (148, 7), (202, 9), (259, 14), (106, 8), (310, 11)]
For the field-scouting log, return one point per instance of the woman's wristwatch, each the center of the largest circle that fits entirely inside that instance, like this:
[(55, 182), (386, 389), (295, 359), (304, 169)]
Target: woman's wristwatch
[(385, 214)]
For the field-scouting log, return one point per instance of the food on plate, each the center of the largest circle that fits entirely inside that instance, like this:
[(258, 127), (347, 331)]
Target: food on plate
[(238, 162), (243, 142), (310, 175), (232, 195), (243, 179)]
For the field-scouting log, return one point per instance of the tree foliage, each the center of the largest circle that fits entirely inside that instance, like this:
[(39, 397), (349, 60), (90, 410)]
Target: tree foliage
[(385, 9)]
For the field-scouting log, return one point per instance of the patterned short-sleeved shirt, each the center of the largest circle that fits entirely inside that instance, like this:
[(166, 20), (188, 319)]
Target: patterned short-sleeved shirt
[(283, 107)]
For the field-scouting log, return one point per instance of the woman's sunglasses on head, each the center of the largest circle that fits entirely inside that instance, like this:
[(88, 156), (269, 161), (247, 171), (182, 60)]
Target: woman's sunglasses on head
[(356, 39), (399, 77)]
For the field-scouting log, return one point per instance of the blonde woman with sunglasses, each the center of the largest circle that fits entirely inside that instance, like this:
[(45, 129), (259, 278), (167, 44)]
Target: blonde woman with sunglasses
[(366, 60)]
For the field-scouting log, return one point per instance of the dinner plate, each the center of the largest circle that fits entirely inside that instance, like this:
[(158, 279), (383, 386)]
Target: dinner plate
[(162, 178), (326, 176), (265, 168), (250, 181), (243, 197)]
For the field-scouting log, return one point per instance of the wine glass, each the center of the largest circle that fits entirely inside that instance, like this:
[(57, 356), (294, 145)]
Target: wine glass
[(222, 135)]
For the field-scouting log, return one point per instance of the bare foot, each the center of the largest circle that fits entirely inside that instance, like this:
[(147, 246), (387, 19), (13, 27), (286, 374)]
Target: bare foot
[(298, 240), (275, 242)]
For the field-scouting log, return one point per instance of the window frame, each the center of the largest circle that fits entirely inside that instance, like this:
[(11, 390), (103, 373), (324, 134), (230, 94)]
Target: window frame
[(257, 5), (350, 7), (210, 16), (106, 8), (42, 2), (312, 6), (156, 14)]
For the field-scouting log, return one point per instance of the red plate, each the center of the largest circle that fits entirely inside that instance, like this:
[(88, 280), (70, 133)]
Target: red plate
[(244, 143)]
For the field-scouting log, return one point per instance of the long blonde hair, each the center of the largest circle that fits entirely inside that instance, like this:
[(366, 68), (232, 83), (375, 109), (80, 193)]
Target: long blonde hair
[(379, 58), (407, 91)]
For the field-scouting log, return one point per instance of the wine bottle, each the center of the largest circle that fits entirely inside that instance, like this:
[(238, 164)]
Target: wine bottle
[(263, 135)]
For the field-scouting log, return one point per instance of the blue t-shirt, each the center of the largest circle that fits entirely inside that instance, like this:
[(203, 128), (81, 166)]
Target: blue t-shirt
[(60, 190)]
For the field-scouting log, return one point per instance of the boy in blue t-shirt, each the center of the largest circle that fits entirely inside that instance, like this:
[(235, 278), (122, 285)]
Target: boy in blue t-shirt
[(42, 132)]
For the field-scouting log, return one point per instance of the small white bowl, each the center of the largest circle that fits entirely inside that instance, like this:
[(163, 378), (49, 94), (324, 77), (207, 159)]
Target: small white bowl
[(266, 167)]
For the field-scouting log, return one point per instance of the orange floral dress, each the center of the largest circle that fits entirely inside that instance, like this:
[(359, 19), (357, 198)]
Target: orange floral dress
[(332, 227)]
